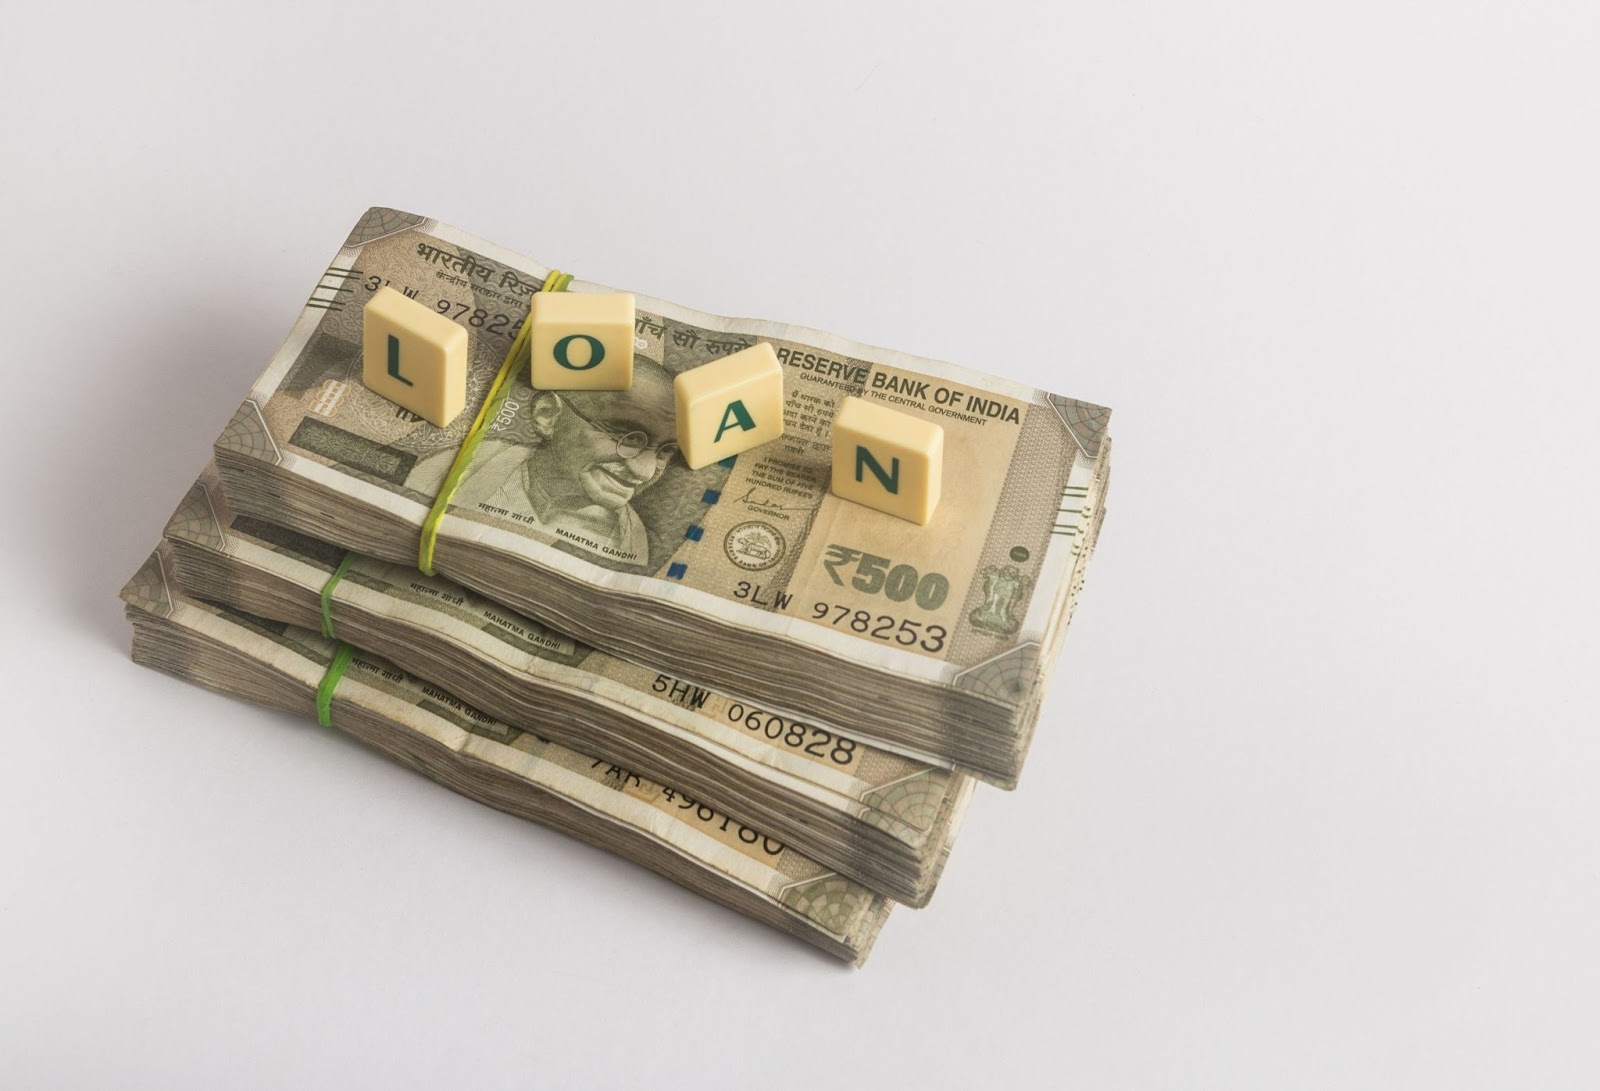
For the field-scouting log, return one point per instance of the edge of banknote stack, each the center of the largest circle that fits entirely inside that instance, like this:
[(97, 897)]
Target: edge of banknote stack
[(817, 775)]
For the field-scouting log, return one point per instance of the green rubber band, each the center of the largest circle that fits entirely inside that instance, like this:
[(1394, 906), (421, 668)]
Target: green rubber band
[(327, 594), (556, 282), (336, 667)]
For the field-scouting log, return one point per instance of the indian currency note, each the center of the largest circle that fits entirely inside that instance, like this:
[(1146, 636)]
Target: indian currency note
[(432, 730), (890, 794), (757, 551)]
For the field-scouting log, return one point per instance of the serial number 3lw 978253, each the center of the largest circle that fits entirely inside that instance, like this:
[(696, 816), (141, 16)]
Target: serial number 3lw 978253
[(884, 627)]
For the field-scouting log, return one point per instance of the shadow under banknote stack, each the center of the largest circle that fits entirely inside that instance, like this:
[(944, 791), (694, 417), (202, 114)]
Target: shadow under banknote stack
[(820, 678)]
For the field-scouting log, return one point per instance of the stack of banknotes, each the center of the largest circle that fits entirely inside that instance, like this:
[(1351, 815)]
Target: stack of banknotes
[(768, 694)]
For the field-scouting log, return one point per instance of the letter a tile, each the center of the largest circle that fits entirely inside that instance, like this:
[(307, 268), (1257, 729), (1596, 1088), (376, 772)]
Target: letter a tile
[(729, 405)]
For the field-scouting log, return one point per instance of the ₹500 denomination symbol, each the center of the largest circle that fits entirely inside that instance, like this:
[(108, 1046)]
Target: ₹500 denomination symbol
[(879, 575)]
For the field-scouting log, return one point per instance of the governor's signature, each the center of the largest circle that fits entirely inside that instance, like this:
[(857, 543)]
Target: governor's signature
[(752, 500)]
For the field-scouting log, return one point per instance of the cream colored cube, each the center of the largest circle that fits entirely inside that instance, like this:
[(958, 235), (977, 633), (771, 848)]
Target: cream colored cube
[(414, 356), (729, 405), (581, 341), (886, 459)]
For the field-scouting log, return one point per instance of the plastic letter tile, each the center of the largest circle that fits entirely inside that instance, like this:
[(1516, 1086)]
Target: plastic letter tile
[(887, 460), (414, 356), (581, 341), (729, 405)]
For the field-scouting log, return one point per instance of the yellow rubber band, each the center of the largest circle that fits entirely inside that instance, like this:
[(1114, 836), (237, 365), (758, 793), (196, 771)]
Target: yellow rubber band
[(556, 282)]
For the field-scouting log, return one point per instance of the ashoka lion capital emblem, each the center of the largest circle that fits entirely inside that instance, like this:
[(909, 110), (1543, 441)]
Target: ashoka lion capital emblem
[(1002, 586)]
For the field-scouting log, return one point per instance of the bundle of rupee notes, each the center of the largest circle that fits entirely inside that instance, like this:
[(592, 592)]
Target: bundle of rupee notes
[(752, 605)]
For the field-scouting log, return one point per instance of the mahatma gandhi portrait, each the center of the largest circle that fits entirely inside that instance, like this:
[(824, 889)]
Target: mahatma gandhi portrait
[(592, 452)]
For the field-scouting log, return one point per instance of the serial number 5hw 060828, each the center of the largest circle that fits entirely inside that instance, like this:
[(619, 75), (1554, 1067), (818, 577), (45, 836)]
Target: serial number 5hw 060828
[(816, 741)]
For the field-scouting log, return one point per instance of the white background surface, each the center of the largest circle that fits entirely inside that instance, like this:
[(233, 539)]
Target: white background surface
[(1314, 803)]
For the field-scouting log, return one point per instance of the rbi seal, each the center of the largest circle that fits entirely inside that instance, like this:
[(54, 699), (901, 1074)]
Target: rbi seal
[(754, 546)]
